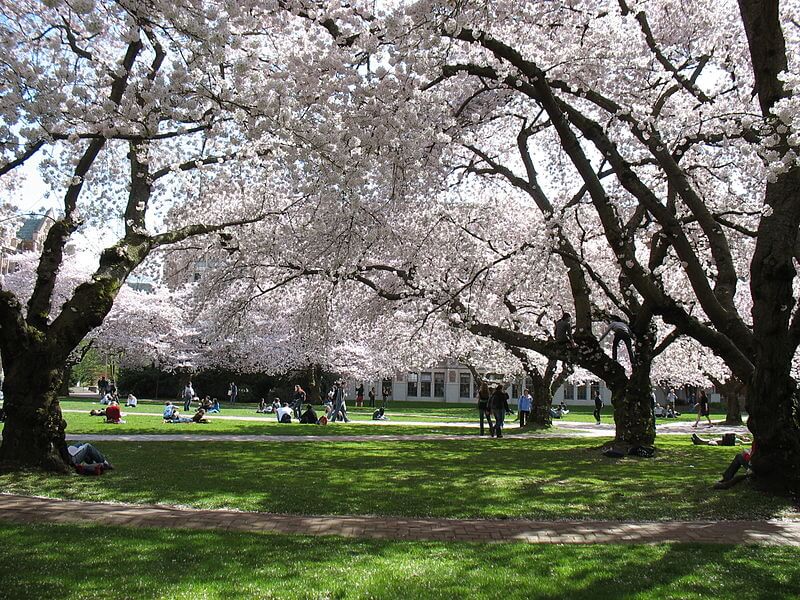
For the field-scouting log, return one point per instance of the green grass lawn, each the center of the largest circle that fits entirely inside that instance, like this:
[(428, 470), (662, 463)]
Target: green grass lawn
[(536, 478), (142, 424), (61, 561)]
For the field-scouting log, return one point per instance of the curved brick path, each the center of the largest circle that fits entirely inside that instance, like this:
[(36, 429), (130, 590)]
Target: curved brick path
[(27, 509)]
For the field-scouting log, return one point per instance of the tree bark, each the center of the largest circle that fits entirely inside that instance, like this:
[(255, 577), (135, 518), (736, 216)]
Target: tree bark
[(542, 403), (34, 433)]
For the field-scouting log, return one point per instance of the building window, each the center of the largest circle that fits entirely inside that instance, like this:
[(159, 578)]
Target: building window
[(464, 390), (412, 384), (569, 391), (425, 385), (438, 385), (582, 391)]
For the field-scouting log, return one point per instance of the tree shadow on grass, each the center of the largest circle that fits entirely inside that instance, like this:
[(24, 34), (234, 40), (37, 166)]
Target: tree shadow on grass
[(109, 562)]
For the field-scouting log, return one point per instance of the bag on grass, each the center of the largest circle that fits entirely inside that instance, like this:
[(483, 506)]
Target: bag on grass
[(642, 451)]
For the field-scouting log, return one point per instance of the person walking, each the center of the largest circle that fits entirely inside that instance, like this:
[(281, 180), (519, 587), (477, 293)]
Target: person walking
[(702, 409), (598, 406), (188, 394), (339, 406), (483, 407), (372, 397), (360, 395), (498, 406), (233, 392), (524, 407)]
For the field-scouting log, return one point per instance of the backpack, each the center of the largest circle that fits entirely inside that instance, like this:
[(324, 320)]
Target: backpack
[(642, 451)]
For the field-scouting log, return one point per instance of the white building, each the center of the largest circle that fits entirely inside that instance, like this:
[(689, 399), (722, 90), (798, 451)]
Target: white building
[(453, 383)]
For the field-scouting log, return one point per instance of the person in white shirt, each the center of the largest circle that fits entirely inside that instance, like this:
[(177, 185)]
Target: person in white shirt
[(284, 414), (132, 400)]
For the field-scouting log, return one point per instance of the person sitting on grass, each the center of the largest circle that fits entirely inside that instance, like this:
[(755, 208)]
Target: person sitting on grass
[(86, 459), (284, 413), (214, 407), (170, 411), (199, 416), (309, 417), (262, 406), (563, 408), (671, 413), (132, 401), (379, 415), (113, 413), (743, 459)]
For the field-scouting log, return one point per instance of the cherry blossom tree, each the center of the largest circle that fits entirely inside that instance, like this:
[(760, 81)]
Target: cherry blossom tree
[(154, 121)]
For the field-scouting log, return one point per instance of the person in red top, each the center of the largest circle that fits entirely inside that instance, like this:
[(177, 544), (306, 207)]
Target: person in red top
[(113, 414), (740, 460)]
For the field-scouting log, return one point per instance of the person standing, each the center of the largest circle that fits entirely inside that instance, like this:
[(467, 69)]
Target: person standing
[(360, 395), (102, 386), (233, 392), (385, 393), (372, 397), (703, 409), (524, 407), (622, 333), (598, 406), (498, 406), (298, 400), (188, 394), (483, 407)]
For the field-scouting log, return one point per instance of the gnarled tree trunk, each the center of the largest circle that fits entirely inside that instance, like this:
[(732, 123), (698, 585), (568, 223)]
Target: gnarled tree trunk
[(33, 436)]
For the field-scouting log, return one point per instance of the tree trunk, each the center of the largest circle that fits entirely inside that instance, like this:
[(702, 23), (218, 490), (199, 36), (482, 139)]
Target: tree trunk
[(542, 403), (33, 436), (64, 390), (633, 408), (314, 379), (733, 406)]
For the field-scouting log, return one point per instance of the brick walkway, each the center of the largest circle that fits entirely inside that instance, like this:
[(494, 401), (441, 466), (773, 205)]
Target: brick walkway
[(26, 509)]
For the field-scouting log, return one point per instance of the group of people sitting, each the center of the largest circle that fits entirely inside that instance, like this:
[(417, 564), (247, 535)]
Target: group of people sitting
[(666, 412), (173, 415), (560, 411)]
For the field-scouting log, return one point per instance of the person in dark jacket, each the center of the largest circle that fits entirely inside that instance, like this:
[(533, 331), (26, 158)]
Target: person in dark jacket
[(622, 334), (483, 407), (563, 330), (498, 406)]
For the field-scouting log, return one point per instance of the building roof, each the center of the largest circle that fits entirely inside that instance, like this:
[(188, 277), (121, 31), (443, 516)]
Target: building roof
[(30, 227)]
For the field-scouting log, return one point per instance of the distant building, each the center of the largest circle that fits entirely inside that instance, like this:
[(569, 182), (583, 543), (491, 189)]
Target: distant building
[(453, 382), (29, 237), (183, 268)]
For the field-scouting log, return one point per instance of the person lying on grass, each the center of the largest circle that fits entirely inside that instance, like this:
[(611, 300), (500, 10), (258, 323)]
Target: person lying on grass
[(86, 459), (727, 439)]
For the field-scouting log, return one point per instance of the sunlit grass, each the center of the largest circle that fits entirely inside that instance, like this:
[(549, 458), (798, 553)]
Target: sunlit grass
[(534, 478), (59, 561)]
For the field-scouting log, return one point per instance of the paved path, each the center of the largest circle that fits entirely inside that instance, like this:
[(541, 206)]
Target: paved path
[(26, 509), (566, 428)]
